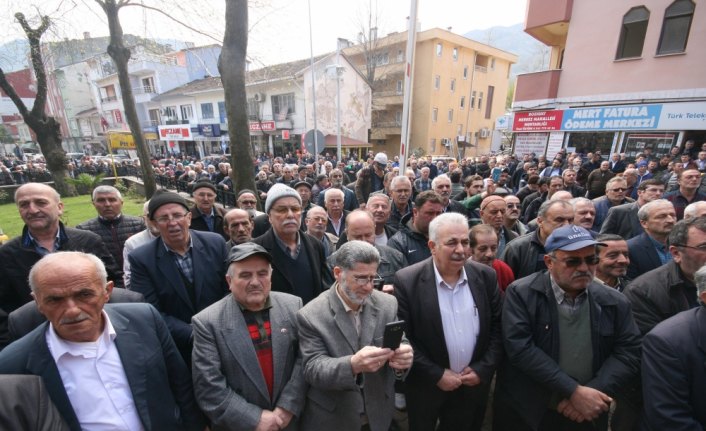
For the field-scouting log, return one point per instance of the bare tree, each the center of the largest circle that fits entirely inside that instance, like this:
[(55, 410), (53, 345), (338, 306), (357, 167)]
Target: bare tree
[(46, 128), (121, 55), (231, 65)]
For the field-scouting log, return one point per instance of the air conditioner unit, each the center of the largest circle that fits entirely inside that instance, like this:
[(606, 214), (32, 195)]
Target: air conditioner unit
[(259, 97)]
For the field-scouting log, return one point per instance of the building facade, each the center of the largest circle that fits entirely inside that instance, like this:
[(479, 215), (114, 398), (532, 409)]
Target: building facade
[(459, 89), (637, 83)]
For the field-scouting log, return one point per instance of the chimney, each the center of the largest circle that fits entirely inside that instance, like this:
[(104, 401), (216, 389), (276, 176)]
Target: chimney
[(86, 35)]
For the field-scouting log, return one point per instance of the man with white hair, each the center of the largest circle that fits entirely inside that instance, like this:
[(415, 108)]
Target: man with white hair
[(442, 185), (695, 210)]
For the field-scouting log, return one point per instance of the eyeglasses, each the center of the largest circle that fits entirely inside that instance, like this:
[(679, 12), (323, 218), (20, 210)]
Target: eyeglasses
[(362, 280), (619, 189), (174, 217), (573, 262), (285, 209), (700, 247)]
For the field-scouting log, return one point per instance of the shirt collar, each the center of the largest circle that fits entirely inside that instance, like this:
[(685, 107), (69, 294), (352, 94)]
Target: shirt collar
[(170, 250), (559, 293), (440, 281), (268, 305), (60, 347), (281, 243)]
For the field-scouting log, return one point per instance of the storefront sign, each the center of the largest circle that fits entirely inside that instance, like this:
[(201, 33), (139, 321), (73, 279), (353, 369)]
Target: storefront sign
[(628, 117), (121, 141), (175, 133), (683, 116), (526, 143), (210, 130), (537, 121), (262, 126), (556, 140)]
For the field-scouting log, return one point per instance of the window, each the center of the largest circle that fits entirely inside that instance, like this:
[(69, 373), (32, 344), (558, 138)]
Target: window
[(253, 109), (459, 130), (473, 99), (480, 100), (454, 54), (453, 85), (632, 33), (434, 114), (437, 82), (170, 112), (148, 85), (675, 29), (222, 112), (283, 106), (187, 112), (489, 105), (382, 59), (433, 145), (439, 49), (399, 88), (400, 56), (465, 72), (463, 102), (207, 111), (398, 118), (492, 64), (451, 115)]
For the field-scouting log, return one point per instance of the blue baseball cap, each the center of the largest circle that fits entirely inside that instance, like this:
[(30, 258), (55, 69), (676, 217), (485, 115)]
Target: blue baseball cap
[(569, 238)]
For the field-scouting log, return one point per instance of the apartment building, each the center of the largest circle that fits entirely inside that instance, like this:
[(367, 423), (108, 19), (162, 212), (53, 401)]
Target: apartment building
[(623, 76), (459, 89)]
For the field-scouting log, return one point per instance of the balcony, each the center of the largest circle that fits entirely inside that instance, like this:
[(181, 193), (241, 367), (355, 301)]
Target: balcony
[(143, 93), (382, 99), (109, 99), (382, 129), (537, 85), (548, 20)]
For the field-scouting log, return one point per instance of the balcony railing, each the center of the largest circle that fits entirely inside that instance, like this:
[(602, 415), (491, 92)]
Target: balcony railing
[(109, 99), (143, 89), (537, 86)]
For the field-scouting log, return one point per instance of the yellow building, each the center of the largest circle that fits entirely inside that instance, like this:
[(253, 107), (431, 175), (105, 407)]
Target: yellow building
[(459, 89)]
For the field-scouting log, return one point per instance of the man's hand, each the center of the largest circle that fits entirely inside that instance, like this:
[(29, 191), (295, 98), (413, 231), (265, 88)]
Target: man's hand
[(402, 357), (469, 377), (568, 410), (388, 288), (269, 421), (369, 359), (284, 415), (449, 381), (590, 403)]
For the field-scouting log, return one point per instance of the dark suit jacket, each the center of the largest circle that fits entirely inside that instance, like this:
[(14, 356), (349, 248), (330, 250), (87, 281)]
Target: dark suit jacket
[(319, 270), (155, 275), (674, 373), (643, 256), (159, 380), (23, 320), (228, 380), (332, 231), (25, 405), (622, 220), (419, 308)]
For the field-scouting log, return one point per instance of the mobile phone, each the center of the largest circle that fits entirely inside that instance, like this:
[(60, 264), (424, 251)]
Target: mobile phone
[(378, 283), (393, 335)]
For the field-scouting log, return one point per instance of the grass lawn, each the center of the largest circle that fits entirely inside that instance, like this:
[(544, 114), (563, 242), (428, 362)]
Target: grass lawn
[(76, 210)]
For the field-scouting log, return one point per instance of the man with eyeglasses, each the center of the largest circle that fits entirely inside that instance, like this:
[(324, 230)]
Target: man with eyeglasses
[(650, 249), (298, 260), (622, 219), (571, 343), (350, 375), (181, 272), (512, 215), (669, 289), (615, 194), (452, 308)]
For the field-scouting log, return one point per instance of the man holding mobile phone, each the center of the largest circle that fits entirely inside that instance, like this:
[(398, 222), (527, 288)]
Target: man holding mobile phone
[(341, 332)]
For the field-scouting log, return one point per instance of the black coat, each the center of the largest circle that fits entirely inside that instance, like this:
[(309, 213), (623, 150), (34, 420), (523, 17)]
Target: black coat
[(643, 256)]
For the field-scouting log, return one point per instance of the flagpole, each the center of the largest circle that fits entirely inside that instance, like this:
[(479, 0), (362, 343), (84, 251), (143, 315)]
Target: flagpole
[(408, 79)]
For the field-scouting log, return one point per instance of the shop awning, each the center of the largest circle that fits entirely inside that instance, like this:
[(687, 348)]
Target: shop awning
[(346, 142)]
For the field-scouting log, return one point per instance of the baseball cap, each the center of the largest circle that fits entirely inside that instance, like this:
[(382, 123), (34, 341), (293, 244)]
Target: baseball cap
[(569, 238), (380, 158), (245, 250)]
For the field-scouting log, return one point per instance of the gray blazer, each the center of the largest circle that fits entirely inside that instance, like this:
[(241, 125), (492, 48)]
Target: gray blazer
[(337, 398), (622, 220), (228, 382)]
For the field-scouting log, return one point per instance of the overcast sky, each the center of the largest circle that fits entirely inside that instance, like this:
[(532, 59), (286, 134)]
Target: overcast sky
[(279, 29)]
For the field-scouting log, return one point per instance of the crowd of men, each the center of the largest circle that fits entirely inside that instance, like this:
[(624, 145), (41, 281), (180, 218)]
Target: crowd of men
[(556, 295)]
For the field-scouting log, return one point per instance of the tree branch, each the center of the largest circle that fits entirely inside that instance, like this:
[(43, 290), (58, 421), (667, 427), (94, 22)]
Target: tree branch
[(12, 94), (174, 19), (34, 37)]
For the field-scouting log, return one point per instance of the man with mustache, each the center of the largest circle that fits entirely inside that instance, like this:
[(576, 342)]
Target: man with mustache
[(298, 261), (484, 249), (247, 367), (571, 342), (492, 213), (442, 185), (40, 208), (614, 259), (650, 250), (105, 367), (452, 308), (239, 225), (350, 375), (512, 215)]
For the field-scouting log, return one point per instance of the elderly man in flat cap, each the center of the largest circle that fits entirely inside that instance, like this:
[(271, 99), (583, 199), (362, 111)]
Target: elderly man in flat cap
[(181, 272)]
